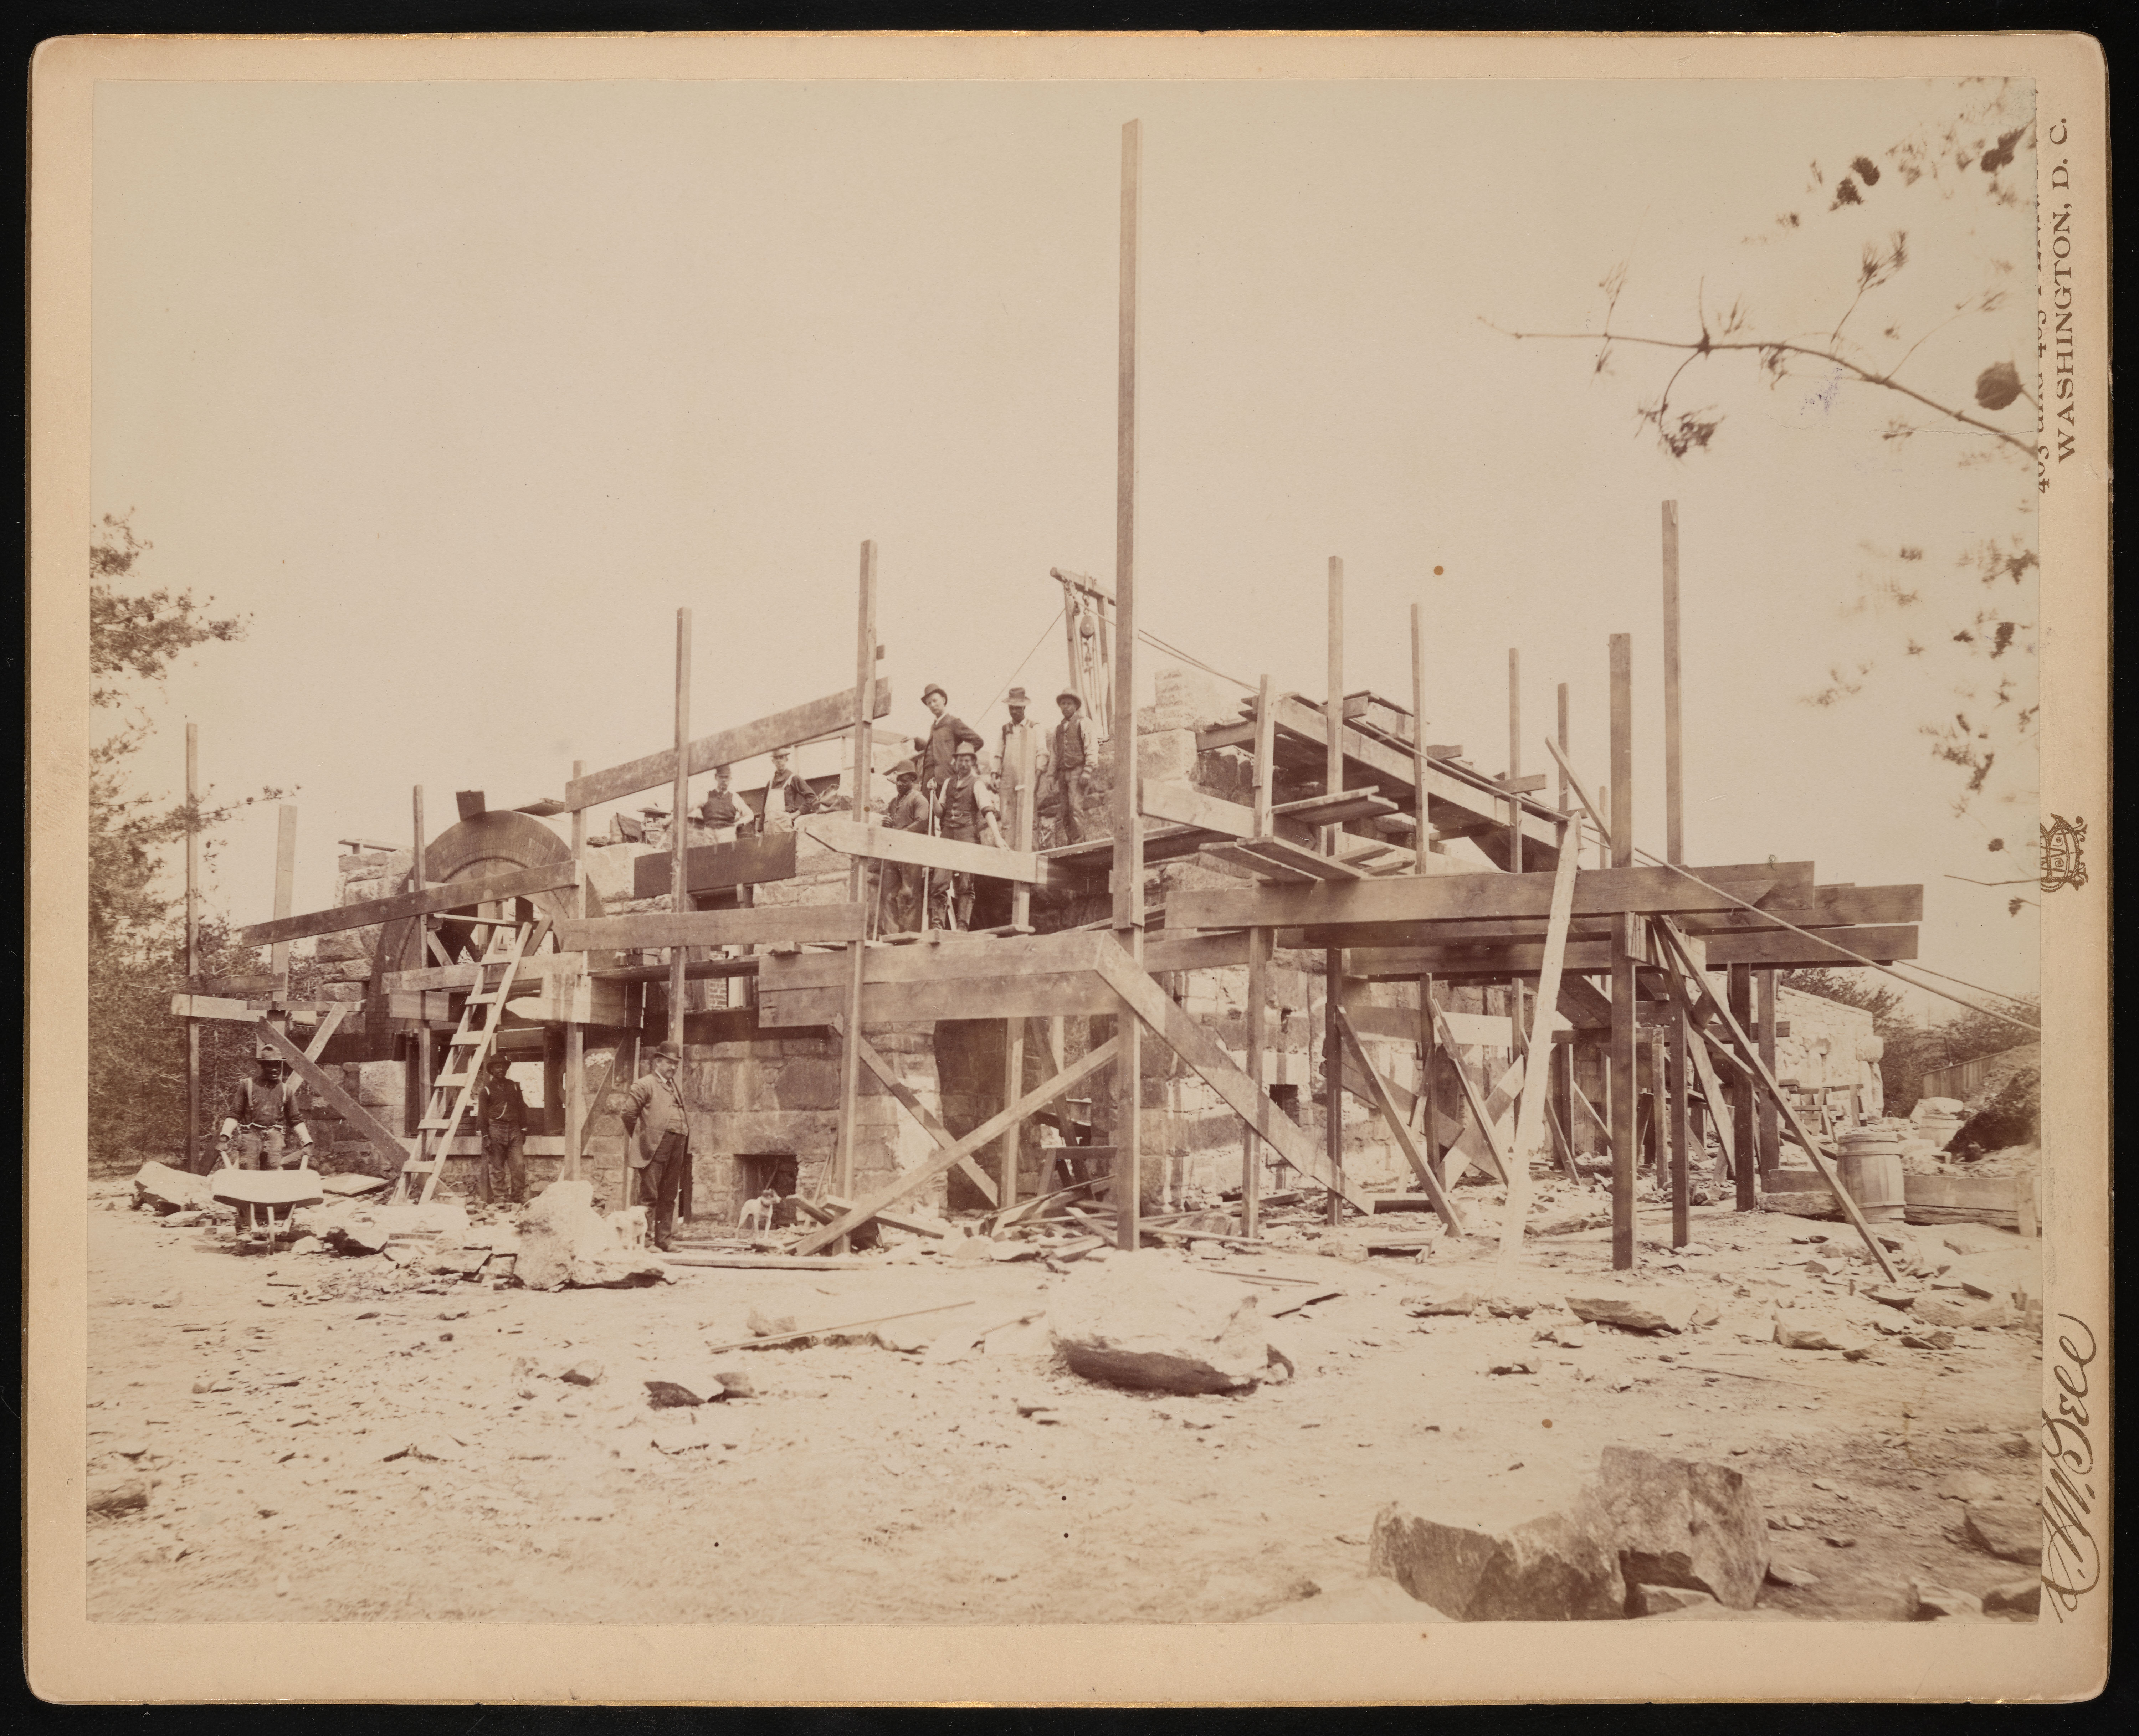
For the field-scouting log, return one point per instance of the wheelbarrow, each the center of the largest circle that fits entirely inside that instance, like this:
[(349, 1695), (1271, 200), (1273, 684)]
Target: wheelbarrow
[(265, 1199)]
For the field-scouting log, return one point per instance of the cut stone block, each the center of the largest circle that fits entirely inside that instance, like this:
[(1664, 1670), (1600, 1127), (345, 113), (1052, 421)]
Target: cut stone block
[(1641, 1308), (2011, 1530), (1503, 1556), (1678, 1522)]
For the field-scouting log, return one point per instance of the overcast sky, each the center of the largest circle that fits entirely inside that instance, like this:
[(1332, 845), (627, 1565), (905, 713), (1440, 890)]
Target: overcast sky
[(459, 391)]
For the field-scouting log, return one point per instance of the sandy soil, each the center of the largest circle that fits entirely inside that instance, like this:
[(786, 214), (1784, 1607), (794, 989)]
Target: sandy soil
[(865, 1485)]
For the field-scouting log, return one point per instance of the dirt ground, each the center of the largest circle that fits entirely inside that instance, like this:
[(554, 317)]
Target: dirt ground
[(865, 1485)]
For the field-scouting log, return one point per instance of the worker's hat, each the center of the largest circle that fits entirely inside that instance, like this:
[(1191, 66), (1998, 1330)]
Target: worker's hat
[(497, 1061), (963, 750), (932, 688), (668, 1052), (1070, 693), (1016, 696), (906, 769), (268, 1058)]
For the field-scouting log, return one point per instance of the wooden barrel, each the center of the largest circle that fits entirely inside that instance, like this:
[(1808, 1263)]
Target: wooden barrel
[(1870, 1169)]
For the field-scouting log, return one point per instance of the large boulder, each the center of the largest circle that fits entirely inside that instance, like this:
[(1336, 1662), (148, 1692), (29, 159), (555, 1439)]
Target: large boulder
[(564, 1240), (170, 1190), (1145, 1321), (1504, 1555), (2012, 1530), (1683, 1522)]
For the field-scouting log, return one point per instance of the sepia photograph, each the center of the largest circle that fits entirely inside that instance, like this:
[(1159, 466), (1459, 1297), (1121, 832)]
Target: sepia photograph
[(1074, 863)]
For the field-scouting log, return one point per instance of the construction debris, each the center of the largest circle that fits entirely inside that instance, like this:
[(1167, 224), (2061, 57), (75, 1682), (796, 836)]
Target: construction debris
[(1148, 1323)]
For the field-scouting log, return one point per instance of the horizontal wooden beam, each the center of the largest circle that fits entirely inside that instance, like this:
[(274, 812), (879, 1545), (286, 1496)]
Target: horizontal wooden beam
[(1832, 906), (1024, 994), (797, 724), (531, 975), (451, 895), (1187, 805), (884, 843), (1779, 948), (212, 1006), (713, 868), (1450, 897), (767, 925), (966, 959)]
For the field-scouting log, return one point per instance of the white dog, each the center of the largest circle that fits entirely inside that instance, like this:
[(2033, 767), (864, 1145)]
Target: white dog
[(629, 1226), (757, 1213)]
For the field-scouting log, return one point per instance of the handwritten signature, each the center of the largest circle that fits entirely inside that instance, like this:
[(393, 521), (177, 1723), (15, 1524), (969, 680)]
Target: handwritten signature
[(2072, 1553)]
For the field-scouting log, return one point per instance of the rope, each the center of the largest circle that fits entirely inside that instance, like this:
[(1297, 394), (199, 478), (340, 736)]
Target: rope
[(1841, 951), (1022, 662)]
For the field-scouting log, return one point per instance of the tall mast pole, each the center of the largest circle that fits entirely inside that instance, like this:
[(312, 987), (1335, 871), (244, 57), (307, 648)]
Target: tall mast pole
[(1127, 827)]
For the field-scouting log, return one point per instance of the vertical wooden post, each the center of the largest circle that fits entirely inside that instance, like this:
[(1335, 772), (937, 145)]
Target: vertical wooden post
[(1333, 959), (1770, 1131), (1421, 845), (850, 1041), (193, 943), (1563, 747), (286, 876), (1679, 1131), (1127, 825), (1626, 1085), (1018, 772), (418, 957), (679, 824), (1674, 809), (1604, 843), (1743, 1161), (1258, 958), (575, 1033), (1514, 771)]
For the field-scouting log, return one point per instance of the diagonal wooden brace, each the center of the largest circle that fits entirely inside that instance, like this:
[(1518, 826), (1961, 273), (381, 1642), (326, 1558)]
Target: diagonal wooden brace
[(1378, 1093), (919, 1111), (994, 1127), (1675, 943), (1166, 1020), (388, 1142)]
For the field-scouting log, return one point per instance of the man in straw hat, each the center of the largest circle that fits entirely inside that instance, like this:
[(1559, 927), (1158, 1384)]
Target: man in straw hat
[(659, 1129)]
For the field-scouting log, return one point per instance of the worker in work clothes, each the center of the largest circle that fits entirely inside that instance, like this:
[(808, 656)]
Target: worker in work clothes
[(723, 810), (266, 1118), (939, 747), (1076, 753), (1017, 760), (500, 1117), (785, 794), (660, 1150), (965, 811), (901, 881)]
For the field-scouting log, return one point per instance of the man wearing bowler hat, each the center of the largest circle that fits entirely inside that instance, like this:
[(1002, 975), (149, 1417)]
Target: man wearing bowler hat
[(660, 1132), (940, 745)]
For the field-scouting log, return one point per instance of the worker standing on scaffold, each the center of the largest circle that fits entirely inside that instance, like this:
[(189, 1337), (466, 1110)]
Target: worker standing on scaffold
[(939, 747), (1076, 751), (966, 810), (899, 882)]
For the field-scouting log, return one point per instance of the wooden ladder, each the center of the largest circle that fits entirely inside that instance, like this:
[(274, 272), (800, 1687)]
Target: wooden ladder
[(467, 1050)]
